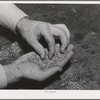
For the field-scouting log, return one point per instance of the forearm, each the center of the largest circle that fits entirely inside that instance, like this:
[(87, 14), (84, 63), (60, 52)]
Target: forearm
[(12, 73), (3, 78), (10, 14), (9, 74)]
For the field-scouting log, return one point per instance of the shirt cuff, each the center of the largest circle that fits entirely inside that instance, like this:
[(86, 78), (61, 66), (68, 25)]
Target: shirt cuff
[(10, 14), (19, 15), (3, 78)]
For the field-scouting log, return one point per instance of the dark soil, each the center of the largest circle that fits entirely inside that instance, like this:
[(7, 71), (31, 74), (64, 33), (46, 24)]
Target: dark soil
[(82, 72)]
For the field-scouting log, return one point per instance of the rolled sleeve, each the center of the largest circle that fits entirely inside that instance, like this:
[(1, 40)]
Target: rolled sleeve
[(10, 14)]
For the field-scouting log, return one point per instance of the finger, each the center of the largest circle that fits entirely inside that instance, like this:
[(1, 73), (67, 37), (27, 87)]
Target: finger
[(39, 48), (49, 72), (56, 31), (64, 27), (49, 38), (63, 38), (70, 47), (68, 54), (68, 57), (64, 42)]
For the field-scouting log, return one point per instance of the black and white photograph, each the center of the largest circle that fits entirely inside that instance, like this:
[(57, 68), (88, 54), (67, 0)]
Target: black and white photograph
[(49, 46)]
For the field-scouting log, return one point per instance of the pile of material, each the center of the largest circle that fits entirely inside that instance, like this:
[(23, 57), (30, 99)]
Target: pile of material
[(56, 60)]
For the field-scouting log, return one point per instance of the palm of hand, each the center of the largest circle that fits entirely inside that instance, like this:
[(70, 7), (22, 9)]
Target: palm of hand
[(32, 71)]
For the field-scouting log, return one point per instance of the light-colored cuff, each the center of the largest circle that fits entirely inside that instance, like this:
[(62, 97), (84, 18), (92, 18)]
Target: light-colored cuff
[(3, 78), (10, 14), (19, 15), (23, 16)]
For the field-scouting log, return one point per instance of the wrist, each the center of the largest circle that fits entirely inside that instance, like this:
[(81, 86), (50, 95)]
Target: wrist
[(12, 73), (21, 23)]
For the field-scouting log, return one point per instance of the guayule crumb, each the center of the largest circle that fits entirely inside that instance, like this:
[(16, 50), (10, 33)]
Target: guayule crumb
[(56, 60)]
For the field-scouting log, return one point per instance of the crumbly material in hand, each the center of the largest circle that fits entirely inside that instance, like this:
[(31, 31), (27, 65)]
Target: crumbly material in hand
[(56, 60)]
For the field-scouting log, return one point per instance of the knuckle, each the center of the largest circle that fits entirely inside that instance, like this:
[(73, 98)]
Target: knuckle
[(64, 34), (43, 24), (64, 45), (41, 52)]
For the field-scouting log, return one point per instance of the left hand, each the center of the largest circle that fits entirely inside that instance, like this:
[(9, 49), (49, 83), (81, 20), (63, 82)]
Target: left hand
[(22, 69)]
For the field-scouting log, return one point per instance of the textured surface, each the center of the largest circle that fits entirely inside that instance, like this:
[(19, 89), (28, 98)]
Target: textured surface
[(83, 71), (56, 60)]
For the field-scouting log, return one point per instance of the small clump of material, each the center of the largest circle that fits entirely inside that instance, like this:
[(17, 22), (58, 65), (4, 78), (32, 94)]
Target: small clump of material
[(85, 46), (56, 60)]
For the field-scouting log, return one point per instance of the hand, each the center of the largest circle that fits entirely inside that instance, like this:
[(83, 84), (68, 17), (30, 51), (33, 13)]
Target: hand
[(33, 30), (21, 69)]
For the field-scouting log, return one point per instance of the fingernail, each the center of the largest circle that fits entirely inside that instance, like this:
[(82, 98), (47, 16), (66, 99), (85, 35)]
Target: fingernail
[(42, 56), (50, 54), (62, 50)]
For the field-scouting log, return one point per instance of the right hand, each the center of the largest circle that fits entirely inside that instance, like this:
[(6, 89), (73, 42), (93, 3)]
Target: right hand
[(32, 30)]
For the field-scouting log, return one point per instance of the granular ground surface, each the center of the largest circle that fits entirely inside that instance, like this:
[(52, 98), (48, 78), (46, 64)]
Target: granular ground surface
[(82, 72)]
